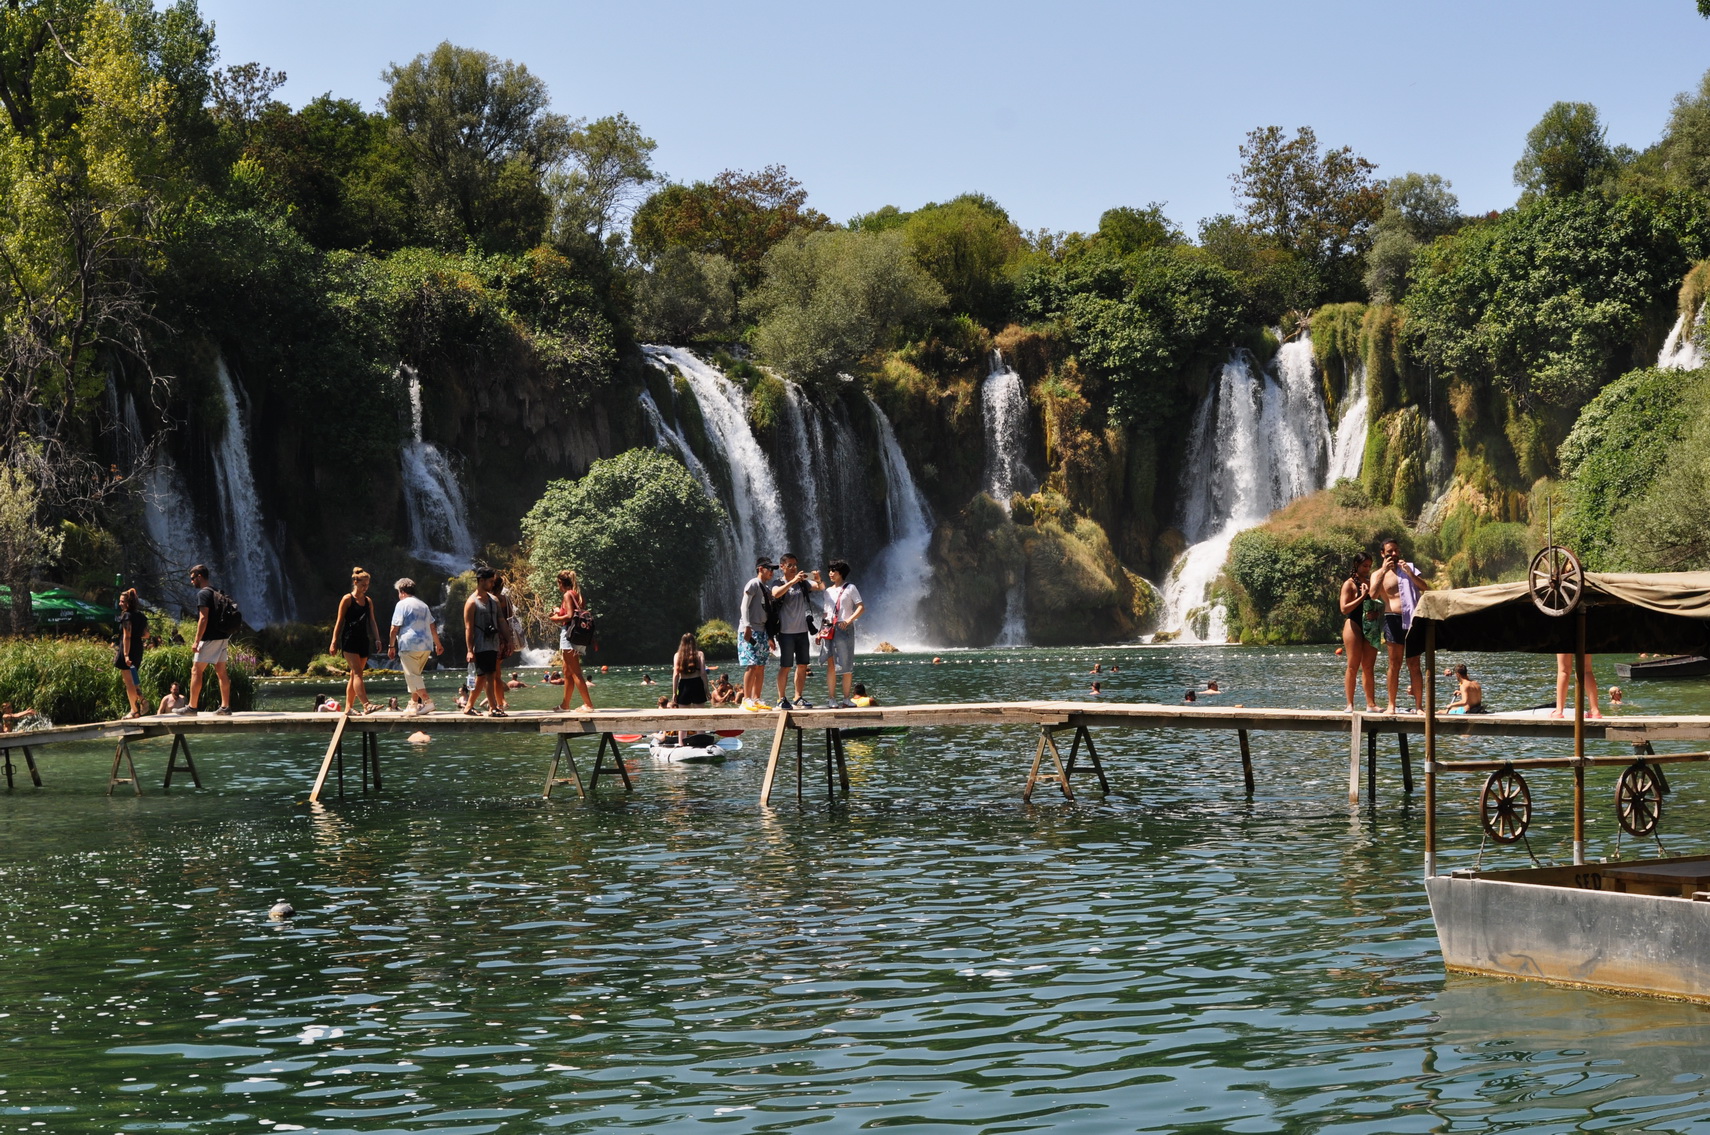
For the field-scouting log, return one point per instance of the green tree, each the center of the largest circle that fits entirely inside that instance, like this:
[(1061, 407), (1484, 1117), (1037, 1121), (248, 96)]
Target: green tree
[(684, 295), (1318, 205), (1566, 152), (102, 143), (740, 216), (1127, 229), (1417, 209), (480, 139), (1556, 298), (610, 162), (829, 298), (26, 544), (967, 244), (637, 529), (1685, 147)]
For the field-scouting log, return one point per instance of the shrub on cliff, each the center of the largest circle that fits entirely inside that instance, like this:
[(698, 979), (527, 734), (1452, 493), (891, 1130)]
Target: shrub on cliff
[(637, 528), (1280, 581)]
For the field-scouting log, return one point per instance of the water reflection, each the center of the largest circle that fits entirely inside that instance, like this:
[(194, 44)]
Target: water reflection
[(927, 953)]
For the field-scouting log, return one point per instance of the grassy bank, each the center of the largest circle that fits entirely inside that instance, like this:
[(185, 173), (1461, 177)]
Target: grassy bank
[(72, 681)]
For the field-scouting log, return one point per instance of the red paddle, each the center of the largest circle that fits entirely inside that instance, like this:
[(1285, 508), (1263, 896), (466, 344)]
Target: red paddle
[(729, 732), (626, 738)]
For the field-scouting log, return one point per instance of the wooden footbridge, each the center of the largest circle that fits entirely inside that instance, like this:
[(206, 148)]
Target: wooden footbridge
[(787, 730)]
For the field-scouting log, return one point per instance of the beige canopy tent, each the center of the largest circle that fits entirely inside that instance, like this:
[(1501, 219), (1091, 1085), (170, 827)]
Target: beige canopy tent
[(1625, 613), (1603, 612)]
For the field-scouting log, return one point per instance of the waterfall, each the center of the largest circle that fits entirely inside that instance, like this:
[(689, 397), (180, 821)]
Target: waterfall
[(902, 574), (1258, 441), (175, 538), (808, 470), (433, 498), (254, 574), (1348, 446), (756, 513), (1680, 350), (727, 549), (1003, 408)]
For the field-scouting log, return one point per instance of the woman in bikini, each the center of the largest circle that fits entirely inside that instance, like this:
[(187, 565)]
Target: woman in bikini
[(355, 631), (1361, 654), (689, 677)]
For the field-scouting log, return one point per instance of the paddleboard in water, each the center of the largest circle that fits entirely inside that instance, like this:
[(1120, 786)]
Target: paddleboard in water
[(687, 754)]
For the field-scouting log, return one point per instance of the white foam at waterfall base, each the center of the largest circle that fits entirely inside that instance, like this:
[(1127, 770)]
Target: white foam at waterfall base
[(1680, 350), (254, 573), (433, 497), (1257, 443), (902, 574)]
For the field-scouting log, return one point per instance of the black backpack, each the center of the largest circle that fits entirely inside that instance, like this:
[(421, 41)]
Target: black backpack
[(774, 624), (224, 618)]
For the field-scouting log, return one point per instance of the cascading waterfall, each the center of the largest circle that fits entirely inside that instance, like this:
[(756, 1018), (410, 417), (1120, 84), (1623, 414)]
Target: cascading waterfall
[(175, 537), (902, 574), (1258, 442), (1680, 350), (1348, 445), (811, 501), (1003, 409), (755, 511), (433, 498), (253, 570)]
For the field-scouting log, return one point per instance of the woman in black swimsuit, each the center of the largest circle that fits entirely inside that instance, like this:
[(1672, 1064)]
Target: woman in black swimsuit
[(355, 631), (1361, 654), (689, 677)]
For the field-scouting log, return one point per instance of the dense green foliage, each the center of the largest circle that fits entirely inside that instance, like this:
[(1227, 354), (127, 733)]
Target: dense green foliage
[(637, 529), (72, 681)]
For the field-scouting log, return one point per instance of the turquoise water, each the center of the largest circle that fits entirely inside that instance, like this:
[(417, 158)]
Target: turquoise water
[(929, 955)]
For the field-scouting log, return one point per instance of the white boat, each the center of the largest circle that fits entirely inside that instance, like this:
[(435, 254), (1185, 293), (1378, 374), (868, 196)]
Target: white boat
[(1637, 925)]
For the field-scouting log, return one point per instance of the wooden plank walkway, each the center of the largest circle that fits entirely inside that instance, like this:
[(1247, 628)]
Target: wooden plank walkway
[(1046, 717)]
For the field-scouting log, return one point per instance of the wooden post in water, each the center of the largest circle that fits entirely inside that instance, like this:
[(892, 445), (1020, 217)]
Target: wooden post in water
[(1371, 765), (326, 762), (1430, 749), (1406, 763), (1579, 736), (772, 761), (1355, 729), (1246, 761)]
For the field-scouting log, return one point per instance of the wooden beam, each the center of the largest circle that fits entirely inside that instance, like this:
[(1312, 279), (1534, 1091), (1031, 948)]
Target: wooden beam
[(326, 761), (1246, 761), (1354, 730), (772, 761)]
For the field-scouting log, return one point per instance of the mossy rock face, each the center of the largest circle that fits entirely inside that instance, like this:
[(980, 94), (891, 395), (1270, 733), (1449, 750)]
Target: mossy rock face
[(978, 558), (717, 640), (1077, 591)]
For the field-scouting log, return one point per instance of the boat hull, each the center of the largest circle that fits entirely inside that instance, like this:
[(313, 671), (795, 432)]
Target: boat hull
[(1562, 929), (1679, 666)]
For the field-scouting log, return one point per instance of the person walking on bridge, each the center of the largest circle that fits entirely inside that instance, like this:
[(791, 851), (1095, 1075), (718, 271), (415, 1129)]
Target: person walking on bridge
[(216, 618)]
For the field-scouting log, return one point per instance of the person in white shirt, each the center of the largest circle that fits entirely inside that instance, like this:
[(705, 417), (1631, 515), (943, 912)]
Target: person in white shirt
[(843, 608), (414, 640)]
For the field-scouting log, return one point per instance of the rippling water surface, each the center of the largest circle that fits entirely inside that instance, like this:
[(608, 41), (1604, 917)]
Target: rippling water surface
[(928, 955)]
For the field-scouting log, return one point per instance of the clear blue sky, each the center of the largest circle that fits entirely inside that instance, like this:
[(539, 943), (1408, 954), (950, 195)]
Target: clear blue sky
[(1058, 110)]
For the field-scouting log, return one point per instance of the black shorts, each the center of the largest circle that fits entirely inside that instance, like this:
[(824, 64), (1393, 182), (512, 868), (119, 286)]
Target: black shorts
[(486, 662), (793, 649), (1393, 631)]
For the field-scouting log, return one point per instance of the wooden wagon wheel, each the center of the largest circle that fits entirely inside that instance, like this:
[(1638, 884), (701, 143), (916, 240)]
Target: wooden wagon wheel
[(1505, 806), (1638, 799), (1556, 580)]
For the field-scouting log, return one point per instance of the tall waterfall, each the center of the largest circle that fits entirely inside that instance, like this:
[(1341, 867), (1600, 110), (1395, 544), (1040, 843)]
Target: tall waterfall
[(433, 498), (810, 495), (1258, 442), (1348, 445), (175, 537), (1003, 409), (902, 574), (254, 574), (1680, 350), (754, 511)]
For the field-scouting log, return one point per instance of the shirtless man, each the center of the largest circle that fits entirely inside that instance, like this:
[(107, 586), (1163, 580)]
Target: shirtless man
[(1469, 693), (1390, 582)]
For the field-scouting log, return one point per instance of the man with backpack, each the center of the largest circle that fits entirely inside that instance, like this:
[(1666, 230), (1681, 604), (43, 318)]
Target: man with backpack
[(755, 628), (217, 619)]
